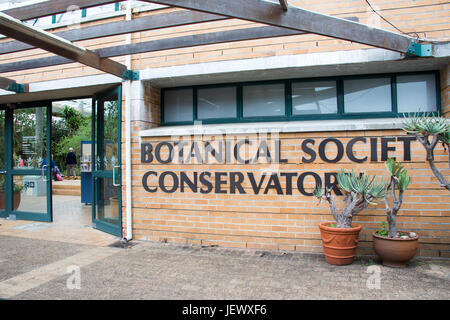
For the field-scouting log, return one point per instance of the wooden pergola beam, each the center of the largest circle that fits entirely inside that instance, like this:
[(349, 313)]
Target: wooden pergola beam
[(51, 7), (12, 85), (303, 20), (18, 30), (284, 4), (163, 20), (162, 44)]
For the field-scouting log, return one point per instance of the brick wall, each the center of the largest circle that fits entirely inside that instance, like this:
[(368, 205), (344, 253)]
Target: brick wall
[(287, 221)]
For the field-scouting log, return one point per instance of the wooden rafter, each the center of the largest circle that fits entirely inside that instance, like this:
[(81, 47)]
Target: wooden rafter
[(301, 20), (163, 20), (284, 4), (161, 44), (18, 30)]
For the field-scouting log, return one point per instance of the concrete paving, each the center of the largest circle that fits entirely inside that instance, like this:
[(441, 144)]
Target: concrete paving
[(68, 259), (163, 271), (71, 224)]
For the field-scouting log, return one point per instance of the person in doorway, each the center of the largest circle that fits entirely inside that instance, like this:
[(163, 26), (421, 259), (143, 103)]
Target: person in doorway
[(71, 163), (55, 169)]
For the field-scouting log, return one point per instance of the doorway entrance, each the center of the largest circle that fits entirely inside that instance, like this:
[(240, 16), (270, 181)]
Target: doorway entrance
[(26, 162)]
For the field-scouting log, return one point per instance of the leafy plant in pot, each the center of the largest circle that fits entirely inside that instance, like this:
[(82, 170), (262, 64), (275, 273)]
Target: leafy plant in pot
[(341, 238), (17, 188), (395, 248)]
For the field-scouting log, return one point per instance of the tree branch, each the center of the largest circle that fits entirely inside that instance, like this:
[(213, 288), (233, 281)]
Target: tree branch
[(429, 147), (332, 203)]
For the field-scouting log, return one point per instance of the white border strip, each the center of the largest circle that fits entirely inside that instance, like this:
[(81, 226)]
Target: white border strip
[(271, 63), (68, 83), (281, 127)]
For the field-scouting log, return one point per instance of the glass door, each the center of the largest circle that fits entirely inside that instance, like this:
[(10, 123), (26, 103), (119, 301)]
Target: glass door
[(26, 169), (2, 162), (106, 157)]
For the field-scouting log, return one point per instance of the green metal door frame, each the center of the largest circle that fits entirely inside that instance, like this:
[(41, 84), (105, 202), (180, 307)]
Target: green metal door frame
[(97, 146), (10, 172), (3, 168)]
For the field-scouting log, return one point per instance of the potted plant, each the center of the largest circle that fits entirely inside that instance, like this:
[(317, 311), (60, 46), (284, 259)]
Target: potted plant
[(340, 239), (395, 248), (16, 194)]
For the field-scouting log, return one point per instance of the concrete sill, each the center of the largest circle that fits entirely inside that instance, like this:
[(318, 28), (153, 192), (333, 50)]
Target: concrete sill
[(276, 127)]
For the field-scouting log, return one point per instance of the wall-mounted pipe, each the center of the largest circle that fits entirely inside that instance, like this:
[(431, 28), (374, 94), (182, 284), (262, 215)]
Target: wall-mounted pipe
[(128, 191)]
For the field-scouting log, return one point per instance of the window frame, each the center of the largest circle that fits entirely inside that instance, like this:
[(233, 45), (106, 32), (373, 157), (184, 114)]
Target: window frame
[(194, 105), (289, 116), (215, 86), (393, 83)]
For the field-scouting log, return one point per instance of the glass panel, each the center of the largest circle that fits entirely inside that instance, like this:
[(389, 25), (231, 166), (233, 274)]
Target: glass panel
[(2, 160), (41, 22), (263, 100), (30, 194), (367, 95), (110, 135), (2, 139), (216, 103), (2, 192), (107, 8), (178, 105), (107, 201), (314, 97), (416, 93), (29, 138)]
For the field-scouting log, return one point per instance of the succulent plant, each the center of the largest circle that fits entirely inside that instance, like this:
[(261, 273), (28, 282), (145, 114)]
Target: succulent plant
[(359, 189), (430, 131), (400, 181)]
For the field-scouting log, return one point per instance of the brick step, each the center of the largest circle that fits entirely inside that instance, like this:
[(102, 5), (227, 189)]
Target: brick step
[(67, 192), (65, 187)]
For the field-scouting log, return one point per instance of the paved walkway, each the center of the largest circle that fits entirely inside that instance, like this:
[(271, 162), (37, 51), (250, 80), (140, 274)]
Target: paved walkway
[(68, 259), (71, 223), (42, 269)]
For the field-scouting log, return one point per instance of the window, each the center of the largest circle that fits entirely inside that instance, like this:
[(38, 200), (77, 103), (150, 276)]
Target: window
[(73, 14), (263, 100), (216, 103), (362, 96), (367, 95), (316, 97), (416, 93), (178, 105)]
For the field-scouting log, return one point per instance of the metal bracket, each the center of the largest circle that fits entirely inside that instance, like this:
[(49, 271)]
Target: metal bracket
[(419, 50), (16, 87), (130, 75)]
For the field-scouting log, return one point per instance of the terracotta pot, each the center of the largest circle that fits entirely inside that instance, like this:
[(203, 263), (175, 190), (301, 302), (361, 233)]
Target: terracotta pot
[(339, 244), (2, 200), (16, 200), (395, 252)]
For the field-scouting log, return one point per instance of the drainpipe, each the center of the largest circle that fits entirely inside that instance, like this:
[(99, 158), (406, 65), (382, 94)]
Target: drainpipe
[(129, 212)]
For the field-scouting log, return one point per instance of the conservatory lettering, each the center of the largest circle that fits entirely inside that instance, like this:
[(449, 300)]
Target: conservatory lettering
[(248, 152)]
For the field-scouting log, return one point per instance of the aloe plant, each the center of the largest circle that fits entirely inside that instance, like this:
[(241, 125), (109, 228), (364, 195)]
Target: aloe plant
[(400, 181), (360, 190), (16, 187), (430, 131)]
